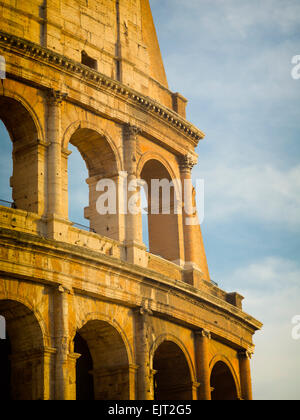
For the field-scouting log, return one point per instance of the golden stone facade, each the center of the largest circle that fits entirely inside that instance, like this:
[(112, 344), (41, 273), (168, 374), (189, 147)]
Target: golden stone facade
[(93, 315)]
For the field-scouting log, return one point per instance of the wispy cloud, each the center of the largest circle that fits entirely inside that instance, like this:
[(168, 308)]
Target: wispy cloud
[(260, 193), (272, 289)]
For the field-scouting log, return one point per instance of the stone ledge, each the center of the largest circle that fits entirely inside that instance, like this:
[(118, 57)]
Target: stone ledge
[(99, 80)]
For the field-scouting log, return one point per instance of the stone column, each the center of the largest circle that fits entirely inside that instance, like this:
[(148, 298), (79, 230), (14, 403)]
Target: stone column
[(133, 369), (61, 316), (49, 363), (195, 257), (145, 376), (202, 364), (133, 224), (245, 374), (55, 99), (72, 361), (187, 163)]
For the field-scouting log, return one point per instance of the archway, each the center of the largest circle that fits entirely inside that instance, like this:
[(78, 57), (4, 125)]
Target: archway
[(222, 383), (104, 359), (163, 226), (27, 171), (101, 163), (21, 354), (172, 380), (84, 371), (6, 166)]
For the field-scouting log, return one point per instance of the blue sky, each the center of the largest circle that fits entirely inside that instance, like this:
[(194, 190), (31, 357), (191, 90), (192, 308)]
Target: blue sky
[(232, 60)]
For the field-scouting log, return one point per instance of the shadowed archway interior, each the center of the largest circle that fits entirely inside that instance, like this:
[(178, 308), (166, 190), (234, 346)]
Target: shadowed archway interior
[(172, 379), (21, 355), (222, 383), (103, 368)]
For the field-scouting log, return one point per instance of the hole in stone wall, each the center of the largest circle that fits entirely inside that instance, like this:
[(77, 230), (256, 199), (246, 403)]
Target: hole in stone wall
[(89, 61)]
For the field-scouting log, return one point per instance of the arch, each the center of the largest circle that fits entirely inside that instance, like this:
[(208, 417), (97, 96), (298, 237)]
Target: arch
[(164, 208), (6, 166), (109, 357), (103, 161), (87, 125), (174, 372), (154, 156), (99, 316), (180, 344), (223, 379), (26, 134), (24, 301), (10, 94), (23, 353)]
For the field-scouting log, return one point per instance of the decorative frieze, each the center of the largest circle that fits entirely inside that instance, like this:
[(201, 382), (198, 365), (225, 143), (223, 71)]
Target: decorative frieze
[(99, 80)]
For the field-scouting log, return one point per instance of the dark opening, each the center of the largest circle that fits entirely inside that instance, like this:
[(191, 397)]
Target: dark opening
[(84, 368), (5, 370), (173, 380), (222, 383), (89, 61)]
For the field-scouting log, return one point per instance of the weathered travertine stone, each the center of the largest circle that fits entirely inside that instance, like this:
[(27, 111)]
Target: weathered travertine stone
[(93, 315)]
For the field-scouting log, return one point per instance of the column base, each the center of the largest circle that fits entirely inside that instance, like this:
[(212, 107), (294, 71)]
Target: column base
[(192, 275), (136, 253), (57, 228)]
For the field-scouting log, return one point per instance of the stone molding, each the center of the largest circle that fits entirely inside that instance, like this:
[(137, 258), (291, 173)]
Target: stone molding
[(187, 162), (131, 132), (56, 97), (204, 334), (99, 80), (245, 354)]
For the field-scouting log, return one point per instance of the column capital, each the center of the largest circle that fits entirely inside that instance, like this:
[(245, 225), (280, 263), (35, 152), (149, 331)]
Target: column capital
[(131, 131), (203, 333), (63, 289), (187, 162), (245, 354), (143, 311), (56, 97)]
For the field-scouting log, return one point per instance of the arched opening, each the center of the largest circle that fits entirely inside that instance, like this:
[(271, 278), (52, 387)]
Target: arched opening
[(163, 226), (78, 190), (172, 380), (145, 221), (21, 354), (107, 365), (84, 369), (6, 167), (101, 164), (222, 383), (26, 180)]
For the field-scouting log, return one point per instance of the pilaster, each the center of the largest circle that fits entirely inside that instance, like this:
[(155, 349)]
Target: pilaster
[(136, 250), (145, 375), (245, 374), (202, 338), (54, 101)]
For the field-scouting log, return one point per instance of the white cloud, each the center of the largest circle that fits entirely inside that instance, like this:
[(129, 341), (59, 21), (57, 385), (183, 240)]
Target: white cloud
[(262, 193), (272, 290)]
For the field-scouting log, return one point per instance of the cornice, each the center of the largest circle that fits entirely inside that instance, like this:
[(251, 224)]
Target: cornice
[(99, 80)]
